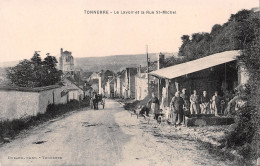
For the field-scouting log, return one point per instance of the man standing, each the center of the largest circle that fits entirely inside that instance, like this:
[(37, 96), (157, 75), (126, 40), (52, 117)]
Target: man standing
[(216, 103), (95, 101), (194, 103), (204, 106), (177, 108)]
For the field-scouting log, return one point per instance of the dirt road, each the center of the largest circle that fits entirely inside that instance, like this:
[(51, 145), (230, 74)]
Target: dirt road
[(99, 138)]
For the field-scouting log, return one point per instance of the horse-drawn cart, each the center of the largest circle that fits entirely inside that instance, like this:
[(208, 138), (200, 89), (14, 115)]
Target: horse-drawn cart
[(96, 99)]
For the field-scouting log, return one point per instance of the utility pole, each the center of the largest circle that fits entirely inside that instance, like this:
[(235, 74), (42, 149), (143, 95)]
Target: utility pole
[(147, 59)]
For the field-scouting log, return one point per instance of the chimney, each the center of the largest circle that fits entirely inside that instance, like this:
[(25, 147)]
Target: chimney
[(161, 58), (139, 70), (61, 50)]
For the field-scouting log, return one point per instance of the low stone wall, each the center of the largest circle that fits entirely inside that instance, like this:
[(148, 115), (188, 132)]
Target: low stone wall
[(209, 121)]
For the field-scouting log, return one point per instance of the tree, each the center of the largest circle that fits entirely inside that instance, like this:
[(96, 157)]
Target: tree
[(50, 74), (240, 16), (232, 35), (36, 59), (197, 37), (185, 39), (35, 72), (245, 134), (216, 29), (50, 61), (21, 74)]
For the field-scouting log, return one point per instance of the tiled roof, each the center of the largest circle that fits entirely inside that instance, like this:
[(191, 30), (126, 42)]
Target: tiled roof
[(27, 89)]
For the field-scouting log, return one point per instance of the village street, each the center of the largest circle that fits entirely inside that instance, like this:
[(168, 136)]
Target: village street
[(101, 137)]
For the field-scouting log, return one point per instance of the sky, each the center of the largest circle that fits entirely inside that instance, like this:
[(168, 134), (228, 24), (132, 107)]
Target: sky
[(48, 25)]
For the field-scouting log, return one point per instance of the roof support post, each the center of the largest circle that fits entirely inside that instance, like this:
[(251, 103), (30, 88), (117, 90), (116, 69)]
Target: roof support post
[(167, 92), (177, 86), (159, 88)]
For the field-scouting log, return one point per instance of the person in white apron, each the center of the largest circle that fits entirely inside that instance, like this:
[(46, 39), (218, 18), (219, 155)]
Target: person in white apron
[(155, 106), (194, 103)]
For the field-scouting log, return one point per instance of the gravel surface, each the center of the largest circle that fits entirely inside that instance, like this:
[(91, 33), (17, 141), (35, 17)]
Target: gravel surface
[(102, 137)]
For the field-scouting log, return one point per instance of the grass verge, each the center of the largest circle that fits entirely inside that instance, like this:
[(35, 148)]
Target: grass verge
[(10, 128)]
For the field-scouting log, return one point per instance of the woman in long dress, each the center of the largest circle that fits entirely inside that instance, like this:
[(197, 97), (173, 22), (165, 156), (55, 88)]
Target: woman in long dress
[(91, 102), (155, 106), (177, 104)]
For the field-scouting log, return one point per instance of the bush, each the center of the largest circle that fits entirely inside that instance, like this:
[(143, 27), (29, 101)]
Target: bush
[(245, 136)]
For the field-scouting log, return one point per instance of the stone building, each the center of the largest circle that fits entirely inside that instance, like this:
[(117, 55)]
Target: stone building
[(73, 91), (109, 88), (18, 102), (66, 62), (118, 84), (93, 76), (128, 84)]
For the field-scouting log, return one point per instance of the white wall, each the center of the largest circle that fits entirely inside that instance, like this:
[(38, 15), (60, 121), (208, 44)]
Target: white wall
[(141, 88), (46, 98), (69, 85), (73, 95), (16, 104), (119, 87)]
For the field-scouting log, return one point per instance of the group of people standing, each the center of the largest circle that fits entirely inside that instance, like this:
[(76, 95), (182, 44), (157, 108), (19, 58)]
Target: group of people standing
[(181, 104), (205, 104)]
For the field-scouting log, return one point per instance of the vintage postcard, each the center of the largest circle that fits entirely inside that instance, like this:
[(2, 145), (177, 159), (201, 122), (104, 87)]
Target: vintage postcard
[(129, 82)]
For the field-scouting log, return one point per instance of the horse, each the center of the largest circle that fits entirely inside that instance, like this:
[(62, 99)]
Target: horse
[(97, 98)]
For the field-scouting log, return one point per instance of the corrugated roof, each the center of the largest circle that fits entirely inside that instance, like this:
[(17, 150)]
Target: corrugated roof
[(196, 65)]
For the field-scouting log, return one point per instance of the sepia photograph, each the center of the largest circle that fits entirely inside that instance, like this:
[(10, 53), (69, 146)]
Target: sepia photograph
[(130, 83)]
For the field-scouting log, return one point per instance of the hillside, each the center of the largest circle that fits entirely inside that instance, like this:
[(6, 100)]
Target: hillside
[(8, 64), (3, 78), (115, 62)]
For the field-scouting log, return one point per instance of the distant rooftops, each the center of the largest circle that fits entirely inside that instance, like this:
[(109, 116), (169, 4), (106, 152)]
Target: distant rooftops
[(142, 75)]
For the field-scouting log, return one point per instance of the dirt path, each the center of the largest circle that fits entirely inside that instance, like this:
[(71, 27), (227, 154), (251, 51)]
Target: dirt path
[(103, 137)]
